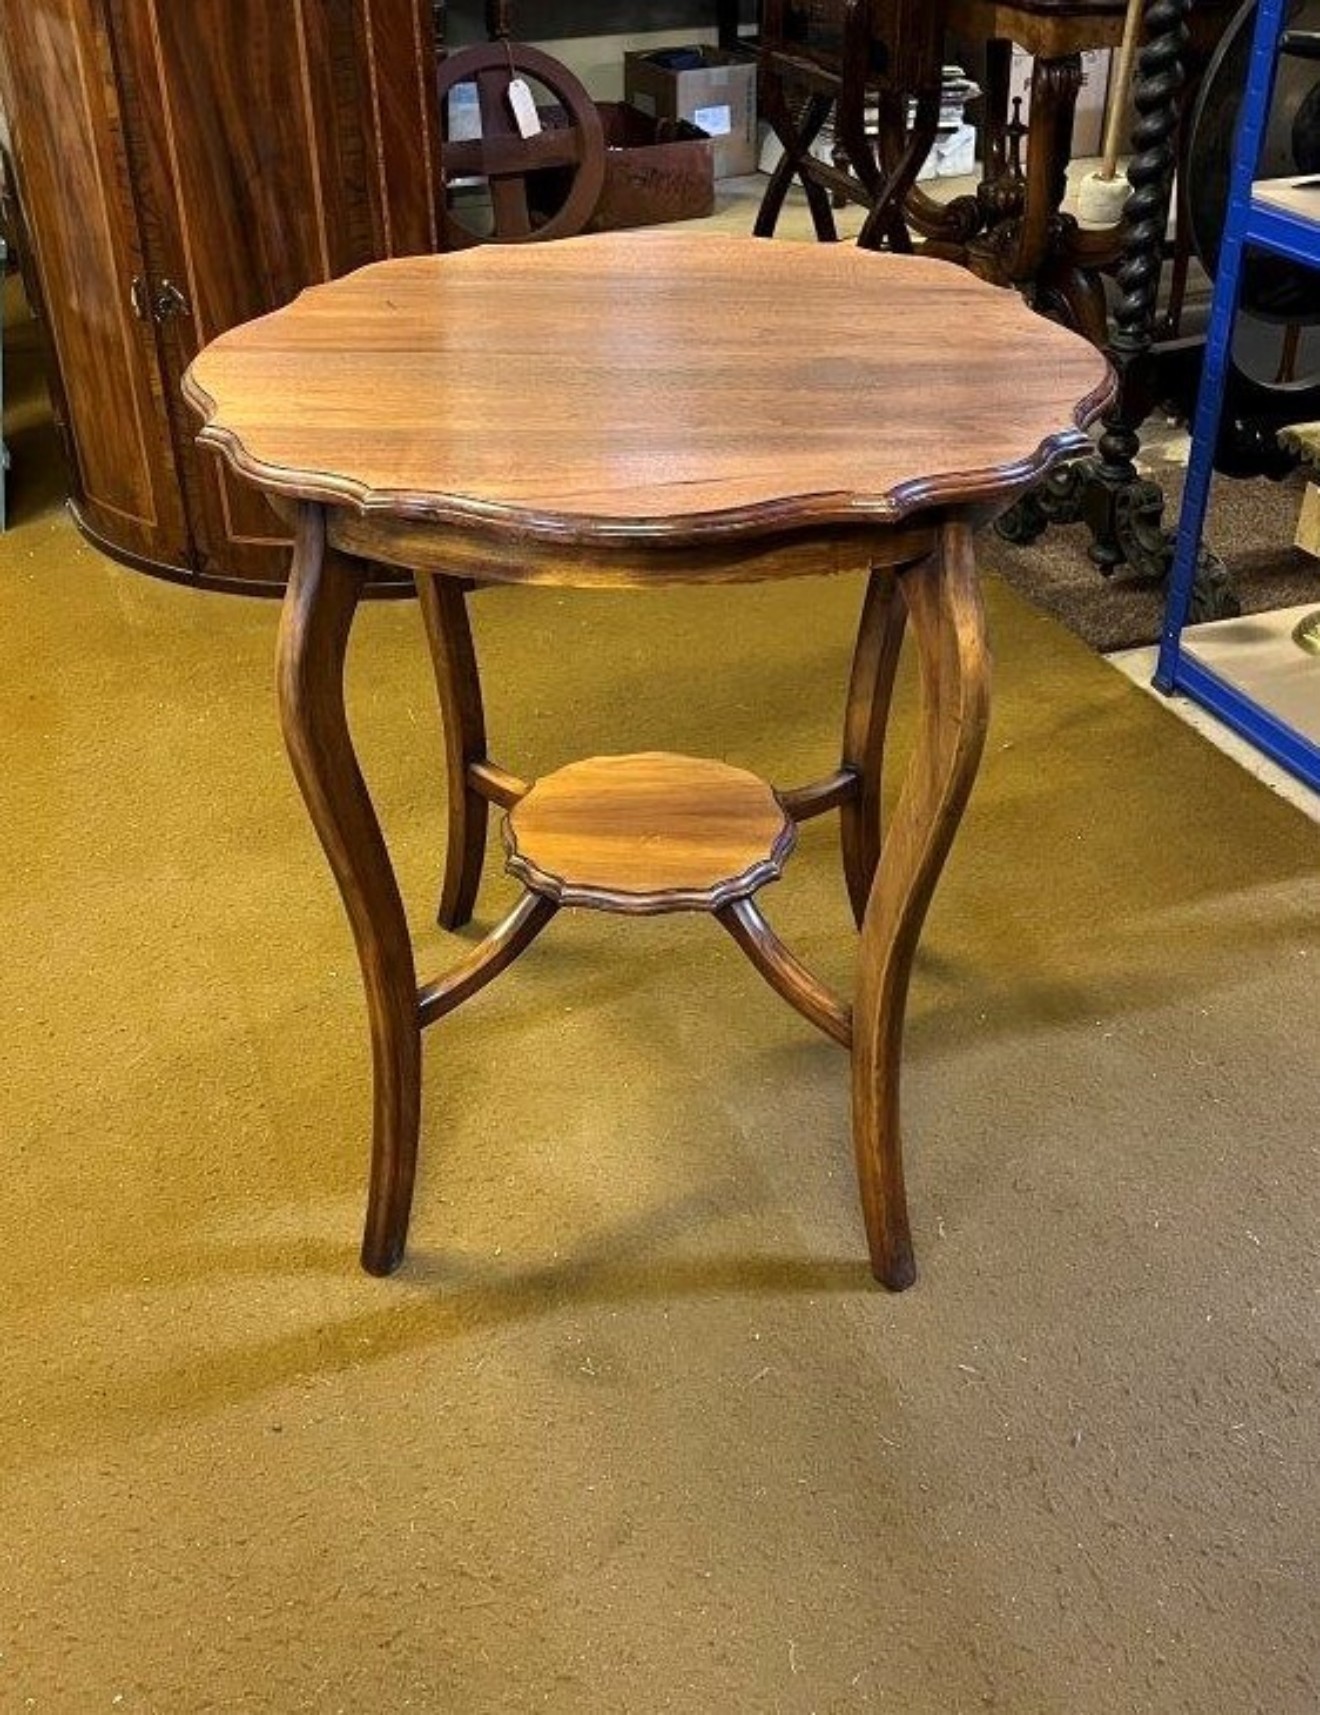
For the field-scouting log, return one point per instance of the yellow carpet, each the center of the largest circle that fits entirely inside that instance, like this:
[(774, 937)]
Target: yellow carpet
[(633, 1430)]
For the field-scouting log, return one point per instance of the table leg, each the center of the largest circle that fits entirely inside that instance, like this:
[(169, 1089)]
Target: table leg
[(1123, 510), (943, 600), (870, 691), (443, 603), (319, 604), (1014, 251)]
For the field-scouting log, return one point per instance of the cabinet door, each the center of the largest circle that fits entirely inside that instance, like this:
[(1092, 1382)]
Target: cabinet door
[(278, 143), (58, 91)]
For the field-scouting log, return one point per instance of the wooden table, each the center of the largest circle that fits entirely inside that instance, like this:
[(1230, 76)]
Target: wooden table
[(619, 411)]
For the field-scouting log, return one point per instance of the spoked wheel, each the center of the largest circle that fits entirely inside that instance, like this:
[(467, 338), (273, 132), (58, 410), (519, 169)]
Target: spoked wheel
[(544, 186)]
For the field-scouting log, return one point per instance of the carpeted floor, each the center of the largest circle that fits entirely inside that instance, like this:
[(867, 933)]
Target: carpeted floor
[(1251, 525), (633, 1430)]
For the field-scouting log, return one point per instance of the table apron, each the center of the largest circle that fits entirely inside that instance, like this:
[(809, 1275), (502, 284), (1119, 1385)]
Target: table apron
[(636, 564)]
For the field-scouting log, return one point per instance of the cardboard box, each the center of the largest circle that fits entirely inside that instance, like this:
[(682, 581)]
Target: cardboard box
[(952, 155), (710, 88), (1089, 116)]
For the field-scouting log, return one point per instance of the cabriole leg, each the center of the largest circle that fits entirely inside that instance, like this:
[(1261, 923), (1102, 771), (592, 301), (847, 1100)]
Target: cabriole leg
[(870, 692), (943, 601), (449, 632), (321, 599)]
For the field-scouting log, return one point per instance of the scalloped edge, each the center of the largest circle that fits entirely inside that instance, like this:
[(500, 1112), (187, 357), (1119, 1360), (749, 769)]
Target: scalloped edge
[(799, 512)]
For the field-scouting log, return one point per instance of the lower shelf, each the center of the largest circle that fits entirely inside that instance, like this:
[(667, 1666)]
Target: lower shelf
[(1252, 675)]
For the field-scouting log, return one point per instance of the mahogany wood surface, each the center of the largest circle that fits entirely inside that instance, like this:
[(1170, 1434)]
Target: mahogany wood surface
[(609, 385), (184, 165), (648, 833), (1050, 27), (443, 602), (592, 411), (323, 592), (943, 600)]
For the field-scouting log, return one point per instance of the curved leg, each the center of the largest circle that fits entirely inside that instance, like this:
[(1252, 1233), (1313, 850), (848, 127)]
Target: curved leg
[(943, 600), (318, 613), (443, 603), (870, 690)]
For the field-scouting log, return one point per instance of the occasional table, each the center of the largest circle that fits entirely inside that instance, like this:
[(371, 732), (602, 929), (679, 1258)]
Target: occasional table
[(629, 410)]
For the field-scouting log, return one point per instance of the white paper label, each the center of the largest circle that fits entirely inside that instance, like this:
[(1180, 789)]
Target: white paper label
[(714, 121), (522, 104)]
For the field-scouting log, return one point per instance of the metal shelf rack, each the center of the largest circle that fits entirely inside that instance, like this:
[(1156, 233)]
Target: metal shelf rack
[(1281, 217)]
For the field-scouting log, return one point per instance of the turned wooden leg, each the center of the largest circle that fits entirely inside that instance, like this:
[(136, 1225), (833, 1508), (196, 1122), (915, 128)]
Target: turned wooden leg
[(322, 596), (870, 691), (943, 601), (444, 611)]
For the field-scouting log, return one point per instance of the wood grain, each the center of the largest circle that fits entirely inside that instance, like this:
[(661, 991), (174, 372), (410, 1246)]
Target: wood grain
[(239, 149), (946, 620), (1049, 27), (648, 833), (317, 616), (608, 384), (785, 972), (650, 408)]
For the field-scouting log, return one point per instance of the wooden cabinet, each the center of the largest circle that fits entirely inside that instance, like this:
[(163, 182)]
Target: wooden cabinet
[(181, 167)]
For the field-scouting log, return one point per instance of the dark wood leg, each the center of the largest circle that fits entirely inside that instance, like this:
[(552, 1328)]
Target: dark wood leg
[(1150, 172), (998, 82), (1015, 250), (943, 600), (903, 153), (795, 137), (444, 611), (870, 691), (1123, 510), (1075, 296), (322, 597)]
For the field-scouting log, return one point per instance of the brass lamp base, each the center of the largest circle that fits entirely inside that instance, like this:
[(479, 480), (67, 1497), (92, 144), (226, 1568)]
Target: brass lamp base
[(1306, 633)]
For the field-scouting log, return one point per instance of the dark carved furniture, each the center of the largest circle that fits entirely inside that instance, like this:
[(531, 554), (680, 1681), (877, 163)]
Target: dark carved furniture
[(870, 69), (182, 167), (1014, 232), (772, 457), (569, 146)]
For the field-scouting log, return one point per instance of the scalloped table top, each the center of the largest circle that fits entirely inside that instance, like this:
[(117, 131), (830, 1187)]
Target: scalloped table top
[(652, 382)]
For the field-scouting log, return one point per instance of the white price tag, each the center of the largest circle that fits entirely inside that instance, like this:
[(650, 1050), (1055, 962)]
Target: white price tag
[(522, 104)]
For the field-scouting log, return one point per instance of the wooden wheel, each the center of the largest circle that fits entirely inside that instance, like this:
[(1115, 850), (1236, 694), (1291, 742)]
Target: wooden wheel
[(569, 151)]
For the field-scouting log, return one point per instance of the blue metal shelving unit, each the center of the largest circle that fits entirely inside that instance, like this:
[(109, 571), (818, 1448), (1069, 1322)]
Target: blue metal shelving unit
[(1250, 223)]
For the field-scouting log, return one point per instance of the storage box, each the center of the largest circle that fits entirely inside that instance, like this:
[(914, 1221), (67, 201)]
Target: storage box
[(710, 88), (655, 170), (953, 154)]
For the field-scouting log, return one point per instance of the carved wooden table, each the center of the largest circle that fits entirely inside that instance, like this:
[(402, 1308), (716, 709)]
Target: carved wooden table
[(592, 413)]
